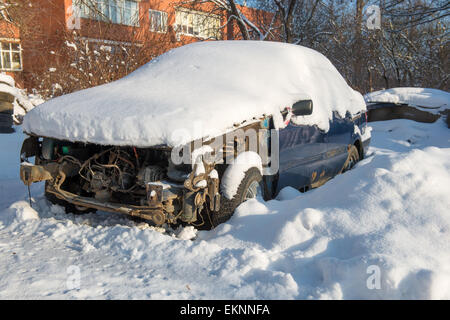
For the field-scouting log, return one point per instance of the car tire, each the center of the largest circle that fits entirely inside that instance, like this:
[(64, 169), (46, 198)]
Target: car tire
[(245, 191), (352, 158), (68, 207)]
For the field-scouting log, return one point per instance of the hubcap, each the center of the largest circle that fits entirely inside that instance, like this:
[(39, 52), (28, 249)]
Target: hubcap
[(253, 191)]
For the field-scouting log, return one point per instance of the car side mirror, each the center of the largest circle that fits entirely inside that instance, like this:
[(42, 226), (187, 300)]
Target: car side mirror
[(302, 108)]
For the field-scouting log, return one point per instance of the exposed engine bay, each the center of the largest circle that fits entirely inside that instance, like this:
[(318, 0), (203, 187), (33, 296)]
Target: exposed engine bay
[(141, 182), (118, 173)]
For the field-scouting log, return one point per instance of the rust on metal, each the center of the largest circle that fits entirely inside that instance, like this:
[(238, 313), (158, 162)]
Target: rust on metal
[(32, 173)]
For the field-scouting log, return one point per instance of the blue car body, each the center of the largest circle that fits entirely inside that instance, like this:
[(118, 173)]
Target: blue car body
[(309, 156)]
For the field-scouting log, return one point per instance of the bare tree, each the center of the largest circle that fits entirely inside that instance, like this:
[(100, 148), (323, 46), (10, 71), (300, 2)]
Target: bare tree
[(99, 52), (415, 13), (252, 23), (410, 48)]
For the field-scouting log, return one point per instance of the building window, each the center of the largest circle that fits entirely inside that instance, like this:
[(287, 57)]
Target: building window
[(11, 56), (197, 24), (158, 21), (115, 11)]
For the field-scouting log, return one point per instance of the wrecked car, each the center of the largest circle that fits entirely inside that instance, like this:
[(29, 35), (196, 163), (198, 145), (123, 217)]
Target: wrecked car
[(417, 104), (188, 137), (6, 104)]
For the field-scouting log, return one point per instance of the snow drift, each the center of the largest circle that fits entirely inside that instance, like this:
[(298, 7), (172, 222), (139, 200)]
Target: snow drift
[(23, 103), (195, 91)]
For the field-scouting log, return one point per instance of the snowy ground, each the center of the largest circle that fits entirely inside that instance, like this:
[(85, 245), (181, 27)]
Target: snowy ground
[(381, 230)]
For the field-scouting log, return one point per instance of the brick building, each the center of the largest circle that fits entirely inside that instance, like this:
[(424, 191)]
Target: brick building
[(51, 32)]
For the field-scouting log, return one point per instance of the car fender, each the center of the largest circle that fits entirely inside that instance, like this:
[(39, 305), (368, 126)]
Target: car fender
[(235, 172)]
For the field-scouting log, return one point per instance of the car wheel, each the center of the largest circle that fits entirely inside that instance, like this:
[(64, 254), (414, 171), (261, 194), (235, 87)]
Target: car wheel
[(68, 207), (249, 188), (352, 159)]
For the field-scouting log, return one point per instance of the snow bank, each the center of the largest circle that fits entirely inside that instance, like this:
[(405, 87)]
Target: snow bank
[(187, 233), (235, 172), (421, 97), (19, 212), (195, 91), (389, 214)]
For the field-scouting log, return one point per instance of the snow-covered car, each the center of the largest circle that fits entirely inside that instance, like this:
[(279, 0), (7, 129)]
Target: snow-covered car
[(14, 103), (196, 132), (6, 112), (418, 104), (6, 103)]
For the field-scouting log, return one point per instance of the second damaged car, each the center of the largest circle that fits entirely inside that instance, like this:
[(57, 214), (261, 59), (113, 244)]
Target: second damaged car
[(197, 131)]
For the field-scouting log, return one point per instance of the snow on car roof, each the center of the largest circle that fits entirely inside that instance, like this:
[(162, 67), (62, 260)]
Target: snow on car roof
[(421, 97), (198, 90)]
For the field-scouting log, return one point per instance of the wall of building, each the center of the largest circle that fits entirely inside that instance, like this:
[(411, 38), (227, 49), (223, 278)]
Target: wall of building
[(9, 33), (50, 29)]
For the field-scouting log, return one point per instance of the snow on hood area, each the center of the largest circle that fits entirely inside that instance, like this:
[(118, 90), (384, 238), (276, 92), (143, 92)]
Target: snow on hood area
[(198, 90), (421, 97), (389, 216)]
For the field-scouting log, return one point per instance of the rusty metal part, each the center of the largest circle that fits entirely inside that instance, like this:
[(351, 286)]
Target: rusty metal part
[(213, 194), (57, 173), (188, 182), (103, 195), (194, 199), (189, 212), (192, 180), (31, 173), (199, 199), (157, 216), (321, 181), (215, 203), (170, 190), (168, 206), (154, 195), (148, 213)]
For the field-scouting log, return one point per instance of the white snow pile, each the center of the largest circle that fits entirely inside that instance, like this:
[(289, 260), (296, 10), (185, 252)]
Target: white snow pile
[(198, 90), (379, 231), (235, 172), (420, 97), (19, 211)]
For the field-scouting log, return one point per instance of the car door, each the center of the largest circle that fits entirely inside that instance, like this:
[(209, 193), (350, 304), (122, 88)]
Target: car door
[(302, 154), (337, 139)]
